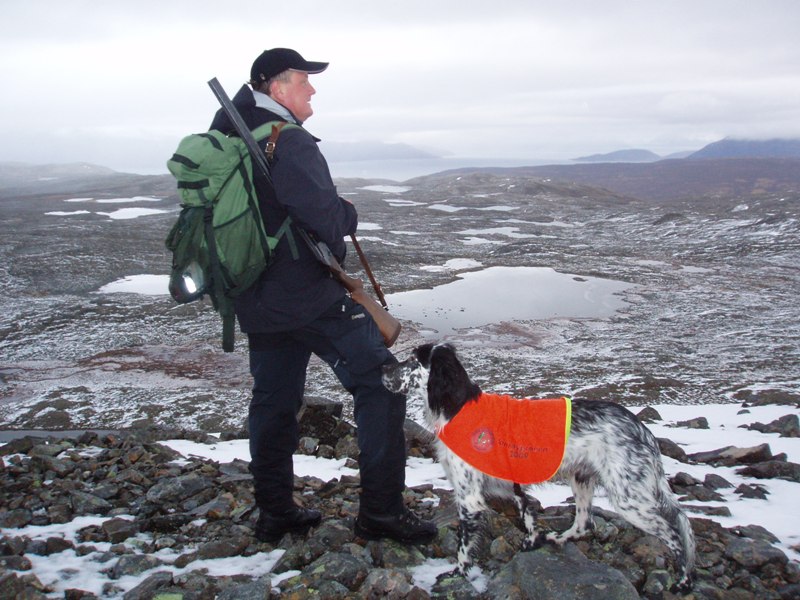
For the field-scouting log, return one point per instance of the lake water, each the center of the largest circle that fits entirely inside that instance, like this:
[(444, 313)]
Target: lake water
[(499, 294), (476, 299)]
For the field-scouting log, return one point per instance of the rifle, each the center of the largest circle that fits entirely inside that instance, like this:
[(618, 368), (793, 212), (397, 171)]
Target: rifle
[(387, 324), (375, 285)]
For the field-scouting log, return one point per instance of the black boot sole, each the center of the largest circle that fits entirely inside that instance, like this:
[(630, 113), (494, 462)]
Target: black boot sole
[(376, 535), (271, 538)]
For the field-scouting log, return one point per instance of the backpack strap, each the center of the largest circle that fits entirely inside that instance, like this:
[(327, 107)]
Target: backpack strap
[(275, 128), (286, 230), (222, 304), (272, 142)]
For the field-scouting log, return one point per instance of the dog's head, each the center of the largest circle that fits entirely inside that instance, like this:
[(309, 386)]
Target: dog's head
[(433, 374)]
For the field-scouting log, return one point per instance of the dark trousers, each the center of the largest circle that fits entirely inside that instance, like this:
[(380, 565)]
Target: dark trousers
[(348, 340)]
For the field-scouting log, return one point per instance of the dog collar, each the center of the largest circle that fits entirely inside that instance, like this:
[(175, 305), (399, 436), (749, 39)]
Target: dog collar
[(522, 441)]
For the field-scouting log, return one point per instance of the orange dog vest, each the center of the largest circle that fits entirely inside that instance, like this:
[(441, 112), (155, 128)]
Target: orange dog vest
[(521, 441)]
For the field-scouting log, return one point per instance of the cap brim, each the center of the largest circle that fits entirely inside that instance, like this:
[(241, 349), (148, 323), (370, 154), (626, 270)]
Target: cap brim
[(313, 67)]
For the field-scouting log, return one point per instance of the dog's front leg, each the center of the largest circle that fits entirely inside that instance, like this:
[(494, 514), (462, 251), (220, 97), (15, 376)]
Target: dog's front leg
[(469, 522), (527, 512), (468, 490)]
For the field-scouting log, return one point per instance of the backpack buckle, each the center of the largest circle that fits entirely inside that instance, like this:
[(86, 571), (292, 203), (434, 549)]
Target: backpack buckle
[(270, 149)]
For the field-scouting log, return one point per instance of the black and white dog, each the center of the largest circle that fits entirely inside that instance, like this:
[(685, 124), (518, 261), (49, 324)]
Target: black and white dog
[(607, 446)]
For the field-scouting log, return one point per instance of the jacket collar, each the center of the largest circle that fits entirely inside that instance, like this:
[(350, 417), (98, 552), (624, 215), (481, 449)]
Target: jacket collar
[(264, 101)]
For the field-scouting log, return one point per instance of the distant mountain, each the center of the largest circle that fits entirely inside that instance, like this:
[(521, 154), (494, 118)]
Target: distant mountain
[(663, 180), (357, 151), (19, 180), (674, 155), (733, 148), (627, 156), (12, 173)]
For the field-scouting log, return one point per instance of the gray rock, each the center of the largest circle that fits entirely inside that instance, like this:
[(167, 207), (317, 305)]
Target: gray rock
[(756, 532), (148, 588), (45, 463), (220, 507), (330, 536), (669, 448), (321, 419), (566, 575), (731, 455), (772, 469), (16, 518), (118, 530), (15, 563), (222, 548), (84, 503), (166, 523), (46, 449), (387, 583), (716, 482), (11, 586), (753, 554), (392, 554), (20, 445), (308, 446), (254, 590), (54, 545), (350, 571), (751, 491), (134, 564), (696, 423), (347, 447), (453, 586), (177, 489), (785, 426), (648, 415)]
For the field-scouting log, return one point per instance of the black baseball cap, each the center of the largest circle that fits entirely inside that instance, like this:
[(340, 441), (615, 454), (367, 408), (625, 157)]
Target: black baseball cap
[(275, 61)]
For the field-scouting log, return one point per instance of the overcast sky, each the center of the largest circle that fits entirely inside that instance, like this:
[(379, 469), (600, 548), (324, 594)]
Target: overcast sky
[(119, 83)]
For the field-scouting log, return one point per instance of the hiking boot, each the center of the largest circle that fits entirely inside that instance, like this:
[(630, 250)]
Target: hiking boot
[(405, 527), (271, 527)]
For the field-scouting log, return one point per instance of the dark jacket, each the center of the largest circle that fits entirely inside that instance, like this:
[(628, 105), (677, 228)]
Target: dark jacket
[(292, 292)]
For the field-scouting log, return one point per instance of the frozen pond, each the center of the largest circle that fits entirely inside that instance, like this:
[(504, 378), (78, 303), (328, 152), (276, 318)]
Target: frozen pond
[(478, 298), (499, 294), (149, 285)]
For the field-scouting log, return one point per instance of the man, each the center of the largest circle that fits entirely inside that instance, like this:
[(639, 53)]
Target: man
[(297, 308)]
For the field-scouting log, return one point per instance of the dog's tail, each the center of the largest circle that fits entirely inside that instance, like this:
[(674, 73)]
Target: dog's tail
[(677, 520), (687, 535)]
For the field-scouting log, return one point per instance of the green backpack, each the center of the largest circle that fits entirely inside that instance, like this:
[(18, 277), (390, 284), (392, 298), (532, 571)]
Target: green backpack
[(219, 245)]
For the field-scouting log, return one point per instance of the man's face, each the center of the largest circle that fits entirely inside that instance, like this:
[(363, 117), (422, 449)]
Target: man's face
[(296, 94)]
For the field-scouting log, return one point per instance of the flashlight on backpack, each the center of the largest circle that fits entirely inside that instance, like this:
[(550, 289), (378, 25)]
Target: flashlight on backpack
[(188, 285)]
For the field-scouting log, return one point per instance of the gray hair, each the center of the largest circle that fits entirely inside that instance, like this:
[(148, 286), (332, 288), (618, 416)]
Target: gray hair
[(263, 86)]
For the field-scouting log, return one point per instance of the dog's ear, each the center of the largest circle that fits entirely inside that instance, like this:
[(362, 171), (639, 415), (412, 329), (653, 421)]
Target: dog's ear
[(449, 385), (423, 354)]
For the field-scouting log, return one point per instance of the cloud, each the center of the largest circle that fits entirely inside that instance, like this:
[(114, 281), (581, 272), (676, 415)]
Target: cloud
[(509, 78)]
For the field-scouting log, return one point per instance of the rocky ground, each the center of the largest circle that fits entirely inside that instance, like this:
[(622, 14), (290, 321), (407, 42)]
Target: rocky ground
[(159, 509)]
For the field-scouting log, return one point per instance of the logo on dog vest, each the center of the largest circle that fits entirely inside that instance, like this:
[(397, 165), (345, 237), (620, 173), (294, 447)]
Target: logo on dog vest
[(483, 440), (517, 440)]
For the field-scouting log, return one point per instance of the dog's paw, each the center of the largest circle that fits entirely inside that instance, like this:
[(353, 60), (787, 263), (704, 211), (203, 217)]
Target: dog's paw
[(541, 540), (682, 586), (529, 544)]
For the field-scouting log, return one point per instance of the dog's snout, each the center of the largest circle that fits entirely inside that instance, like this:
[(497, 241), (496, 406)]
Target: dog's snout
[(389, 371), (396, 375), (389, 375)]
